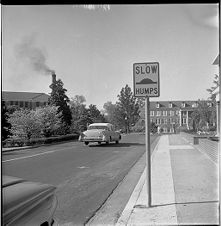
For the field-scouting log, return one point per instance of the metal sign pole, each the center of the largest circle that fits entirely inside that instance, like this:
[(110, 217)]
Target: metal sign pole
[(148, 152)]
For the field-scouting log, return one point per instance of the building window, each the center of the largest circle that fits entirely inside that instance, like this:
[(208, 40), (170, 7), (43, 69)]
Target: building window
[(158, 121), (26, 104), (158, 113), (164, 113), (170, 105), (194, 105), (16, 102), (171, 113), (165, 120), (157, 105), (183, 105), (165, 130), (11, 102), (21, 104), (151, 113), (37, 104), (177, 112), (171, 120), (184, 120)]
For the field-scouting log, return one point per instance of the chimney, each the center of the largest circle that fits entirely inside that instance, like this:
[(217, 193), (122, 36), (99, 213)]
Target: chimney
[(53, 78)]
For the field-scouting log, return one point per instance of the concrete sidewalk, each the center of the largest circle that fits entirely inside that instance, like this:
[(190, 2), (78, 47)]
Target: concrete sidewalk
[(166, 208)]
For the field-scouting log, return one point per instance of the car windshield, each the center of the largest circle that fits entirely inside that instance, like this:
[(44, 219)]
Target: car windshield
[(98, 127)]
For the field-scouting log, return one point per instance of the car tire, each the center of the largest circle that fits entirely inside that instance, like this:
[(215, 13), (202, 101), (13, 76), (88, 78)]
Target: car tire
[(117, 141), (99, 142), (86, 142)]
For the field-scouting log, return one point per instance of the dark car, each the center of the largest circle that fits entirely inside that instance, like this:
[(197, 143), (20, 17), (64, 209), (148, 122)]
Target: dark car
[(27, 203)]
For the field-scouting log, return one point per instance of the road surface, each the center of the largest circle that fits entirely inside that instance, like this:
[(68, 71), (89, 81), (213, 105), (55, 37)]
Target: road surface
[(85, 176)]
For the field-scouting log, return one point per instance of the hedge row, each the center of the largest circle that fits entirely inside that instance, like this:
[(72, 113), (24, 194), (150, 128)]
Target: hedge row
[(10, 142)]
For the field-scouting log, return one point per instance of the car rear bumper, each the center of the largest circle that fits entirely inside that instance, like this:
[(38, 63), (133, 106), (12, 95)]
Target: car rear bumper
[(93, 139)]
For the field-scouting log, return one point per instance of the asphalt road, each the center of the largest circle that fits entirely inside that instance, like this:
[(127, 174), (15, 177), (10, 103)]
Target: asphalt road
[(85, 176)]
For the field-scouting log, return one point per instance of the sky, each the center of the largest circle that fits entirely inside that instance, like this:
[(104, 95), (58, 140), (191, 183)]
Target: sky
[(92, 49)]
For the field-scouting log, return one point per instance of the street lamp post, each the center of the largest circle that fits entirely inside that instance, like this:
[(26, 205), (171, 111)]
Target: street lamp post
[(126, 122)]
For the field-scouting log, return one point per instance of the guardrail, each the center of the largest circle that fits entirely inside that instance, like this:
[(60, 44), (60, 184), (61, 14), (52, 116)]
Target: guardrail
[(210, 148), (205, 145)]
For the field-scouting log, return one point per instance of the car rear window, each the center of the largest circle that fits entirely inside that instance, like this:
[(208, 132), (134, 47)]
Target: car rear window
[(98, 127)]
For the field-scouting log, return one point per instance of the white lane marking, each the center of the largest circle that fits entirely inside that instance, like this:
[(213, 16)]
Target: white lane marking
[(31, 156), (83, 167)]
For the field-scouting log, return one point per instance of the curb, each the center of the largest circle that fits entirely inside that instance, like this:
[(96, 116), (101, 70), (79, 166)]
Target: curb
[(37, 146), (126, 214)]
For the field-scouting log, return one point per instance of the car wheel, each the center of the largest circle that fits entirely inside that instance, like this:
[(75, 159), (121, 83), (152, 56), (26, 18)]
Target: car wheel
[(86, 142), (99, 142), (117, 141)]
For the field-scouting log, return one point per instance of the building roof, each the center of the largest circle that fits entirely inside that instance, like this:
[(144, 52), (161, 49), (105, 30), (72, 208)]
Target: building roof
[(24, 96)]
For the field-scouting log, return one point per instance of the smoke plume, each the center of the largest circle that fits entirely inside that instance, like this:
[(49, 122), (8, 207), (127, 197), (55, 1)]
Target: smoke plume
[(29, 53)]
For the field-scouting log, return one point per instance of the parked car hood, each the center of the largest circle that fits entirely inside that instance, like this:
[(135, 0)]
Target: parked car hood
[(21, 196)]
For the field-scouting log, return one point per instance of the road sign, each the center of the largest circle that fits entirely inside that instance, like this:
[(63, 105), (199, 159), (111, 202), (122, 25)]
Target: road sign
[(146, 79)]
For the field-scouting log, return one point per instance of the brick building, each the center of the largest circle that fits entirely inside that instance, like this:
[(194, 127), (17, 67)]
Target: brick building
[(25, 99), (170, 116)]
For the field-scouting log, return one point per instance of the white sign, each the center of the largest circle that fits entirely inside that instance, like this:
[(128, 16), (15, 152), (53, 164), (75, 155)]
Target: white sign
[(146, 79)]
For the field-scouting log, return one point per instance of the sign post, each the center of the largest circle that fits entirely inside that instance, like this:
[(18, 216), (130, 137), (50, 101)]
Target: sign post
[(146, 84)]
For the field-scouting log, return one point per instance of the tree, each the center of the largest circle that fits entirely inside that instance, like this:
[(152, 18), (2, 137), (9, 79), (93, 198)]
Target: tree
[(110, 113), (25, 124), (84, 120), (95, 114), (12, 108), (216, 84), (203, 116), (49, 119), (78, 110), (153, 127), (60, 99), (77, 106), (127, 110), (5, 124)]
